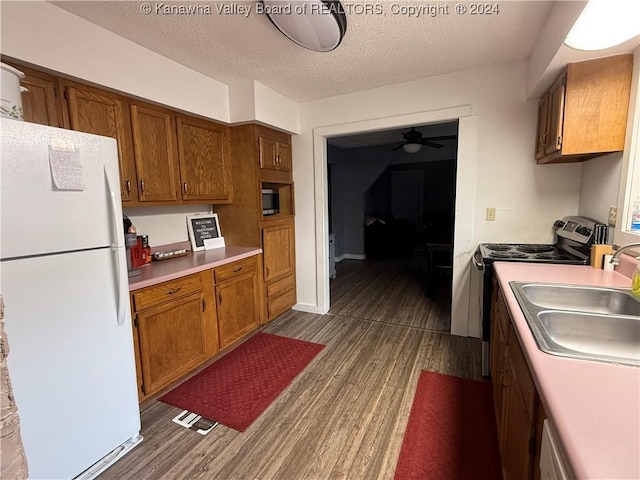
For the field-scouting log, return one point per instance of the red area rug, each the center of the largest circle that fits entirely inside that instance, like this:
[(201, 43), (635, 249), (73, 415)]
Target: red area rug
[(451, 432), (236, 389)]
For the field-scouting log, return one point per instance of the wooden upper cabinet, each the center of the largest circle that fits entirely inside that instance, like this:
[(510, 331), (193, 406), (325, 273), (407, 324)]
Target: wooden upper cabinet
[(274, 155), (205, 165), (102, 113), (278, 246), (584, 113), (40, 103), (155, 153)]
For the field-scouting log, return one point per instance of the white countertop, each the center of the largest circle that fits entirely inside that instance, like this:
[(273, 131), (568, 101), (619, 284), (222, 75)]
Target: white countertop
[(594, 407)]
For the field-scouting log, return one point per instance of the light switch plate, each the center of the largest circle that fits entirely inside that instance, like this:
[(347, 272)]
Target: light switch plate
[(491, 214)]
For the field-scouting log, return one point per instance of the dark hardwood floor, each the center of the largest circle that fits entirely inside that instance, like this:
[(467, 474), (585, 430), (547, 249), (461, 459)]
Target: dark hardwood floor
[(391, 291), (344, 416)]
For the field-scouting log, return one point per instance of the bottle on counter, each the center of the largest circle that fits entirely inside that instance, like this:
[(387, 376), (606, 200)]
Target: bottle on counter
[(146, 249), (635, 282)]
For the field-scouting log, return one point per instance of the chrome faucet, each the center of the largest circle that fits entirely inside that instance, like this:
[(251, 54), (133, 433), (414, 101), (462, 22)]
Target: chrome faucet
[(615, 260)]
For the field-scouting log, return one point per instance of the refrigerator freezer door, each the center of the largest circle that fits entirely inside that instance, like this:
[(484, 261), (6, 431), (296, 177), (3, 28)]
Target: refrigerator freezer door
[(39, 218), (72, 366)]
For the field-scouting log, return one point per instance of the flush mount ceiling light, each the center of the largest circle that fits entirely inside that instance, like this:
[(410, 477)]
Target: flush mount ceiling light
[(318, 25), (604, 24)]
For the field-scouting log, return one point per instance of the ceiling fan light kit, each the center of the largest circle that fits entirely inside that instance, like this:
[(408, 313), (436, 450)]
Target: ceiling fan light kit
[(411, 147), (317, 25)]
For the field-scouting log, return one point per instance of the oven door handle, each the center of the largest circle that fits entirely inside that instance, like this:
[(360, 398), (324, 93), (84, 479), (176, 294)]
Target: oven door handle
[(478, 263)]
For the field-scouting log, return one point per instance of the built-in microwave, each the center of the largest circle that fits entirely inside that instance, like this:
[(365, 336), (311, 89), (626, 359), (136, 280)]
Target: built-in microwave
[(270, 201)]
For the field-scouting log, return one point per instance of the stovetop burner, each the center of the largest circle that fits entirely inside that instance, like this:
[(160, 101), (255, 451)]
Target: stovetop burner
[(535, 248), (497, 247), (507, 254)]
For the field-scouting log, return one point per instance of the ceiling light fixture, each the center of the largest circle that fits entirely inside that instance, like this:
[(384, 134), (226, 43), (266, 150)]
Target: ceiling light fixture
[(604, 24), (318, 25), (411, 147)]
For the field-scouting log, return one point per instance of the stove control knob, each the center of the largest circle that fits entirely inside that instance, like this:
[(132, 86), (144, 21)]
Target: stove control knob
[(559, 224)]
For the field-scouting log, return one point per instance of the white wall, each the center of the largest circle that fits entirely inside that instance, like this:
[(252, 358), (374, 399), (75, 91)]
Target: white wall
[(527, 197), (164, 225), (600, 186), (42, 34)]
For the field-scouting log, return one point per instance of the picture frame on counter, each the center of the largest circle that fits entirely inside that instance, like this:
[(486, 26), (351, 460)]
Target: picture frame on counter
[(204, 231)]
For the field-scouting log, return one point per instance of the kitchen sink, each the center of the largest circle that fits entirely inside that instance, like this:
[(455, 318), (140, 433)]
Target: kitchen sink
[(582, 298), (589, 323)]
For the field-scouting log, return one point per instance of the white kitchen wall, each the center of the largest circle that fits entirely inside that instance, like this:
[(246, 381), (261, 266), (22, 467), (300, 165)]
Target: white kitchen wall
[(527, 197), (600, 186), (42, 34), (165, 225)]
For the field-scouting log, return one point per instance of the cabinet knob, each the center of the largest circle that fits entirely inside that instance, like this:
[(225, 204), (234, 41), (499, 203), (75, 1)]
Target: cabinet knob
[(142, 186), (184, 187), (237, 269), (174, 290), (128, 183)]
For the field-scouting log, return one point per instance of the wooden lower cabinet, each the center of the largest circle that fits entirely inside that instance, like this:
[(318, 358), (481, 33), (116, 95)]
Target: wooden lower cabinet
[(518, 406), (174, 329), (278, 245), (172, 340), (238, 299)]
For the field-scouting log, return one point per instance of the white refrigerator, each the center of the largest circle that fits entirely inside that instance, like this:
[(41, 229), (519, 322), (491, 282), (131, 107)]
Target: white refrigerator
[(64, 282)]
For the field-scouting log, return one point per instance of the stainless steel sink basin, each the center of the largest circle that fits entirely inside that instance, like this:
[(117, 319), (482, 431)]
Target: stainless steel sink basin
[(582, 298), (589, 323)]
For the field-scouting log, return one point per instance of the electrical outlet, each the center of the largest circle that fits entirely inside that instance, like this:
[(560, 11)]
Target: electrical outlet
[(491, 214), (613, 216)]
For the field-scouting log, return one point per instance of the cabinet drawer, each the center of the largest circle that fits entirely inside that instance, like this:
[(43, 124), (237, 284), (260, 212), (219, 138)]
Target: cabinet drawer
[(231, 270), (166, 291), (280, 286), (277, 305)]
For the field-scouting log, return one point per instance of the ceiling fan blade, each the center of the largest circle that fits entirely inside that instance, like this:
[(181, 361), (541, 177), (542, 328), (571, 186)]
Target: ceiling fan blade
[(399, 146), (426, 142), (442, 137)]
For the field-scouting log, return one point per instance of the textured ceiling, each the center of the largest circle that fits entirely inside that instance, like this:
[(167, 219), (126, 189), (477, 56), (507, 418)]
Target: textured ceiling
[(378, 49)]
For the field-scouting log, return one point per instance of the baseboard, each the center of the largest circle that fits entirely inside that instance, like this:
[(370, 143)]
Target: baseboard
[(306, 307), (350, 256)]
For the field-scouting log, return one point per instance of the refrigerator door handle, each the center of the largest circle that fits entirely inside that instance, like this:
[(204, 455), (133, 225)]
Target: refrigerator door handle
[(117, 248)]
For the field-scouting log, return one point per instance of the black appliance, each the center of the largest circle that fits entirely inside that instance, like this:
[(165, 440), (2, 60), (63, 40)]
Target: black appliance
[(574, 237), (270, 201)]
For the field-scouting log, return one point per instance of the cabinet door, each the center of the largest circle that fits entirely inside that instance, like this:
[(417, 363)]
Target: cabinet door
[(101, 113), (155, 154), (278, 250), (498, 347), (556, 115), (172, 340), (268, 153), (543, 126), (519, 431), (205, 163), (283, 157), (40, 103), (238, 307)]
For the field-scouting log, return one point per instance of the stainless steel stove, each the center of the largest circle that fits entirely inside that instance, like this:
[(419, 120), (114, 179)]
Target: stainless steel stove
[(574, 237)]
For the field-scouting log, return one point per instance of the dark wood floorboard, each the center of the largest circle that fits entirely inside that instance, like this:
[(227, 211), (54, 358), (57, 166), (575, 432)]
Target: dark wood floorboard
[(344, 416), (391, 291)]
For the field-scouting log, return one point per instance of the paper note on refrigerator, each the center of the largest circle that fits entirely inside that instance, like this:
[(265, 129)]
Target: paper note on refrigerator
[(66, 169)]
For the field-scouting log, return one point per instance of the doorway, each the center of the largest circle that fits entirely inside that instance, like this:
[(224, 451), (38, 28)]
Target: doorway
[(463, 322), (384, 206)]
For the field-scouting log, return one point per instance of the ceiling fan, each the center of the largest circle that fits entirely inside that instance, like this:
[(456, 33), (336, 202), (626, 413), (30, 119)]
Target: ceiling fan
[(414, 141)]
